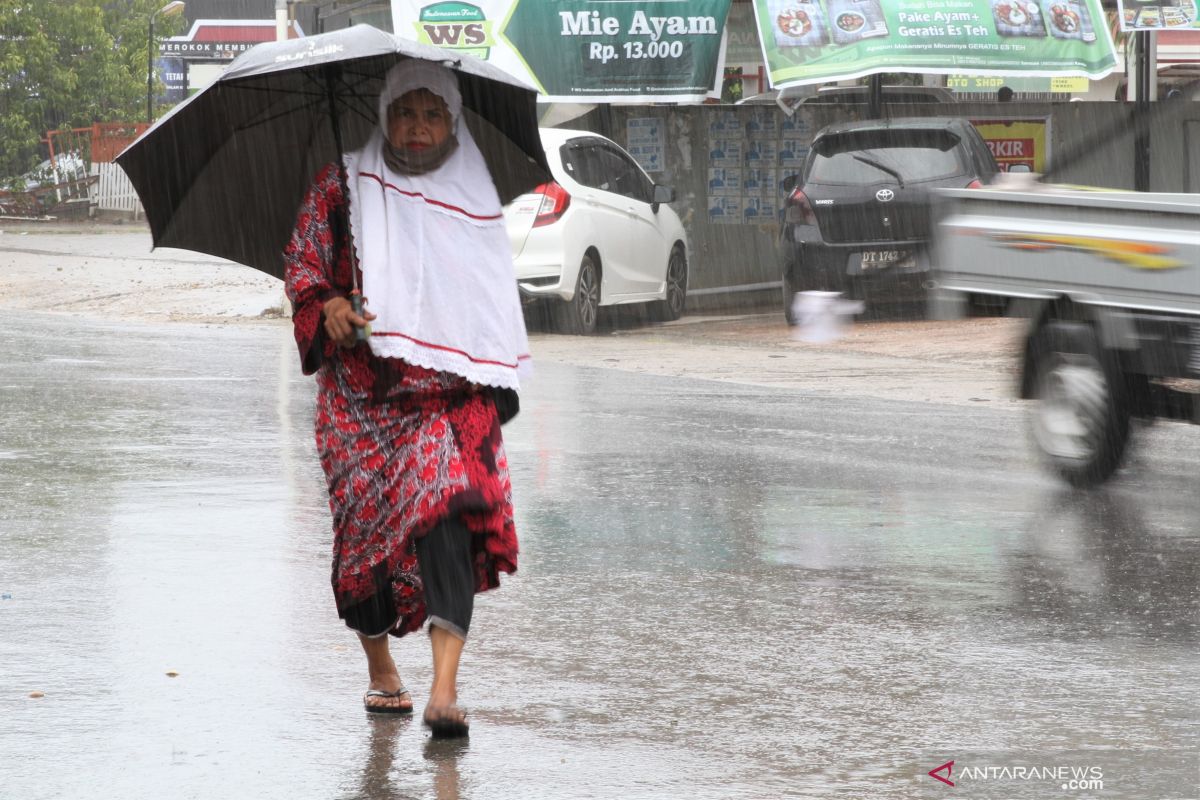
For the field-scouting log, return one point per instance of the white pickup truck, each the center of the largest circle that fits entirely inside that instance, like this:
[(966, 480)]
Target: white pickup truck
[(1110, 282)]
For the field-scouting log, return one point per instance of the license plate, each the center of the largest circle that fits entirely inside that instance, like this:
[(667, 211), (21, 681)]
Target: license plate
[(873, 259)]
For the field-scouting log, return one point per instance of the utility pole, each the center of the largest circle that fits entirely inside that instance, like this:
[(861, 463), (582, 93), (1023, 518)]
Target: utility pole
[(1145, 85), (281, 20), (875, 96)]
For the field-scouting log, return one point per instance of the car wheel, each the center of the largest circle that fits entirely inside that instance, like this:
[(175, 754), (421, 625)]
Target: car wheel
[(579, 315), (671, 307), (1081, 421), (789, 299)]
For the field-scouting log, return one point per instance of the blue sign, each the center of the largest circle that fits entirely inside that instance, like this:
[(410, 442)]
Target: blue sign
[(173, 73)]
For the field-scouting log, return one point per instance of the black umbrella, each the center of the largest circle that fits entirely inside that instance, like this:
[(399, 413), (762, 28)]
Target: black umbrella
[(225, 171)]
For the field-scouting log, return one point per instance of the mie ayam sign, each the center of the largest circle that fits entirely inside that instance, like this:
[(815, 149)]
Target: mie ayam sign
[(582, 50), (813, 41)]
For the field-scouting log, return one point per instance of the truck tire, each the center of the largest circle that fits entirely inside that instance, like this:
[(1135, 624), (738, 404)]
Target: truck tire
[(1081, 421)]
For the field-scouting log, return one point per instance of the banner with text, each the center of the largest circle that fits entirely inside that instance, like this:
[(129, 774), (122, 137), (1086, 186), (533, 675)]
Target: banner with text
[(1158, 15), (814, 41), (581, 50), (1023, 142)]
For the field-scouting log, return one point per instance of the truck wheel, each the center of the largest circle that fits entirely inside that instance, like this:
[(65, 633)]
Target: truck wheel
[(1081, 422)]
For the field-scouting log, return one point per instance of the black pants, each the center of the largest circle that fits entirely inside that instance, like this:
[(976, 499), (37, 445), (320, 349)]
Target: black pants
[(444, 558)]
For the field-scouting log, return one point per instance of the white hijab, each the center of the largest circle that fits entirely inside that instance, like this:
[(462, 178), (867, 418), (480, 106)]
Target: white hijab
[(434, 250)]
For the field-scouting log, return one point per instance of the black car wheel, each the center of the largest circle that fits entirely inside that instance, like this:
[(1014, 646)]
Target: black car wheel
[(671, 307), (579, 315), (1081, 421), (789, 299)]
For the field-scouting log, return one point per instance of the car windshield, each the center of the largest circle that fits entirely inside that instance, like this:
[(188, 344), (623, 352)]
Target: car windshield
[(877, 157)]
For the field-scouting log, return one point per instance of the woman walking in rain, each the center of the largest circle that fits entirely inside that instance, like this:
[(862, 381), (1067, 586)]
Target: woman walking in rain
[(408, 422)]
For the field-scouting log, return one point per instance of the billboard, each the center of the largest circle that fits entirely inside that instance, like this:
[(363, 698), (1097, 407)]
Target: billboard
[(1017, 142), (814, 41), (582, 51), (1158, 15)]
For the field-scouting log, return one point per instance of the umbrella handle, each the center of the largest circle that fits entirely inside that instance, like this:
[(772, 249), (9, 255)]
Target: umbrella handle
[(356, 304)]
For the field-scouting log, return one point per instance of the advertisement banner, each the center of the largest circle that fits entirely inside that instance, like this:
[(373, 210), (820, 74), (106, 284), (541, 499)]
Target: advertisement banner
[(990, 84), (743, 47), (580, 50), (173, 73), (814, 41), (1158, 15), (1017, 141)]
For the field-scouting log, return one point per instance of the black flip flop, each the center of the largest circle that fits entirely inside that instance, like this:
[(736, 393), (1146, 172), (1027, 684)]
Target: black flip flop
[(447, 727), (386, 709)]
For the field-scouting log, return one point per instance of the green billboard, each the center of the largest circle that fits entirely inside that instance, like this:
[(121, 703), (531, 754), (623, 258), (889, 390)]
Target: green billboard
[(582, 50), (814, 41)]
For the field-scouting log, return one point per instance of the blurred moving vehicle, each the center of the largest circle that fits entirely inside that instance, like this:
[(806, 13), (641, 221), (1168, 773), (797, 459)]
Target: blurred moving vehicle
[(857, 218), (1110, 282), (600, 234)]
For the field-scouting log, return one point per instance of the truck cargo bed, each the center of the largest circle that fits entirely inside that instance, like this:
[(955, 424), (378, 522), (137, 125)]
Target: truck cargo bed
[(1135, 251)]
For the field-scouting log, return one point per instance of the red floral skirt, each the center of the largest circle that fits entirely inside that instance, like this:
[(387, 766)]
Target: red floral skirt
[(430, 450)]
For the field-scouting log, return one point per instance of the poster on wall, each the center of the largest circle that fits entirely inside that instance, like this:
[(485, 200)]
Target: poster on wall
[(1158, 15), (1017, 141), (580, 50), (749, 153), (646, 142), (813, 41)]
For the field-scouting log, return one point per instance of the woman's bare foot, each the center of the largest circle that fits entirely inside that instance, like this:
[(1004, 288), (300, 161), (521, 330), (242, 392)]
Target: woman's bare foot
[(442, 714), (446, 721)]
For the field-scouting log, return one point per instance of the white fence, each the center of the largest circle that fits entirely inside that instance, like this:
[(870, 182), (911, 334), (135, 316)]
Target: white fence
[(114, 192)]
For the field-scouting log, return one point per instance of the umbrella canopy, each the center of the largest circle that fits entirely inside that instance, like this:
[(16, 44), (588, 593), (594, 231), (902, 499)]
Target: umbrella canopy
[(225, 171)]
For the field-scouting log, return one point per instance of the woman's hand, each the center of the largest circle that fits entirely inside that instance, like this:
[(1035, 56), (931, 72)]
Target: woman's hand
[(341, 323)]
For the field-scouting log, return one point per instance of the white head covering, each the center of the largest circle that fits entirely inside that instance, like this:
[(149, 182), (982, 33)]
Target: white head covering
[(416, 73), (434, 251)]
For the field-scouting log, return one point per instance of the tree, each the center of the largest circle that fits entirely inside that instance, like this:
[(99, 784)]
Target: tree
[(70, 63)]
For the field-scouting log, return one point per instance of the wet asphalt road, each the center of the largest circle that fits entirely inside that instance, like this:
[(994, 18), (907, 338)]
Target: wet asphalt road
[(725, 592)]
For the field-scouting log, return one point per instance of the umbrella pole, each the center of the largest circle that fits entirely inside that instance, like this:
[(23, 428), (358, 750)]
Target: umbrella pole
[(356, 300)]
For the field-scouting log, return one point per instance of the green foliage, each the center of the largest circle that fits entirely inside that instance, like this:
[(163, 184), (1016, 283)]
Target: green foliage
[(70, 63)]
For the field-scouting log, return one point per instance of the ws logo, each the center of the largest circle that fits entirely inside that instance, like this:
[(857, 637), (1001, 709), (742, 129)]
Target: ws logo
[(457, 26)]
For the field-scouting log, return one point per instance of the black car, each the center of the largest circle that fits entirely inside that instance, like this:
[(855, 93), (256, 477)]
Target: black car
[(857, 220)]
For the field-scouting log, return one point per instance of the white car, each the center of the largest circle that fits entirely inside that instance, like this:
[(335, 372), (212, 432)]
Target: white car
[(600, 234)]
